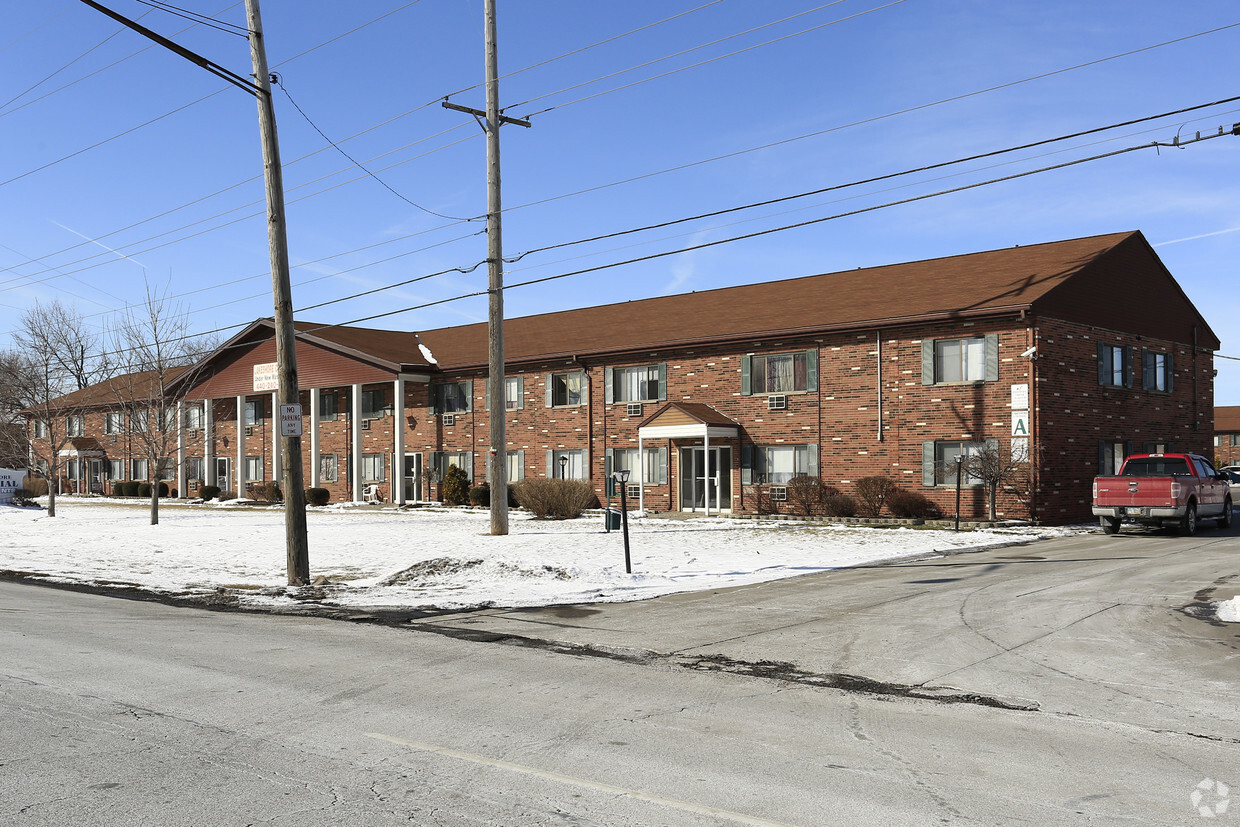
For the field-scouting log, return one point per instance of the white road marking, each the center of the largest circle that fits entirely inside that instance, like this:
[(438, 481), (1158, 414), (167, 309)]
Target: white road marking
[(688, 806)]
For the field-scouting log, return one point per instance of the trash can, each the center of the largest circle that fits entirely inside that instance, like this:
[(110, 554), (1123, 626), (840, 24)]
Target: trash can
[(613, 519)]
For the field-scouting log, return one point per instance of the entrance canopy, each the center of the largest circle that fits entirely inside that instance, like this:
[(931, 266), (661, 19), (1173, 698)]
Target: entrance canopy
[(684, 420)]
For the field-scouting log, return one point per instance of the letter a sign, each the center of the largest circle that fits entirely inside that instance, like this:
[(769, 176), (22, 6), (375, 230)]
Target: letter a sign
[(1020, 423)]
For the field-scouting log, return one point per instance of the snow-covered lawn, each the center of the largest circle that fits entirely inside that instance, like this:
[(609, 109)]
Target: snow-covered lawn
[(440, 558)]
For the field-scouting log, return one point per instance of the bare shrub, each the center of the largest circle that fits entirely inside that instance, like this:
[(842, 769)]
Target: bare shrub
[(805, 495), (912, 505), (872, 493), (839, 505), (552, 499)]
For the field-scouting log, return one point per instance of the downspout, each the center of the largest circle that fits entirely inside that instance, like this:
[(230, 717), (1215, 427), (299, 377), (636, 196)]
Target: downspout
[(1196, 394), (878, 336), (1035, 438)]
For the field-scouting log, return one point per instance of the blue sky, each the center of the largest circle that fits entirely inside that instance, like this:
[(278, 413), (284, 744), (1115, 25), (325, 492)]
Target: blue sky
[(642, 112)]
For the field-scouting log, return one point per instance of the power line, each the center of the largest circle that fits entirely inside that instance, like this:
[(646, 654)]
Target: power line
[(200, 19)]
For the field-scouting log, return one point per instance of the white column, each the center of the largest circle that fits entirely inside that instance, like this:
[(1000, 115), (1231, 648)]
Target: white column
[(314, 438), (398, 444), (239, 471), (277, 459), (182, 472), (355, 432), (208, 444), (641, 473), (706, 468)]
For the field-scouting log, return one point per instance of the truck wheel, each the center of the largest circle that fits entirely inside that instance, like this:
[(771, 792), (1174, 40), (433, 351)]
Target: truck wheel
[(1110, 525), (1225, 520), (1188, 525)]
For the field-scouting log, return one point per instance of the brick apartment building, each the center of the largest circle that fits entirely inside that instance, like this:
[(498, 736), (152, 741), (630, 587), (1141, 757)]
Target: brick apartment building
[(1077, 352), (1227, 435)]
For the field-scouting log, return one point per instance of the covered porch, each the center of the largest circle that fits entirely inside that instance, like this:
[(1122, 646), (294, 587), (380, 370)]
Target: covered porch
[(702, 460)]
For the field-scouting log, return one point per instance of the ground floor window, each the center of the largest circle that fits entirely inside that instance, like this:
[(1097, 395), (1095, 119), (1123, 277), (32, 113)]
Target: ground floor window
[(327, 468), (116, 469), (943, 457), (653, 470), (1111, 455), (777, 464), (254, 469), (372, 468), (441, 461), (566, 465), (195, 469)]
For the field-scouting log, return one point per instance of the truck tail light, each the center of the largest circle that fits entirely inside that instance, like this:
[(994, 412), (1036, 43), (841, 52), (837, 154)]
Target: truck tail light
[(1095, 489), (1175, 490)]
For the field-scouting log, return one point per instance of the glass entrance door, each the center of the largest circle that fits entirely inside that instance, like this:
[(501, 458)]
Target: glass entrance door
[(223, 467), (413, 478), (705, 479)]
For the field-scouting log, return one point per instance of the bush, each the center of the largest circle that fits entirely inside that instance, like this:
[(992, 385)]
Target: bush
[(805, 495), (318, 496), (37, 486), (225, 496), (480, 495), (455, 486), (209, 492), (23, 497), (839, 505), (872, 492), (270, 492), (552, 499), (912, 505), (144, 490)]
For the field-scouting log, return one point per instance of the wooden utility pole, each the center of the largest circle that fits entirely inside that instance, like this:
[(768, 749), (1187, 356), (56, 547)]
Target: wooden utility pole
[(282, 294), (490, 120)]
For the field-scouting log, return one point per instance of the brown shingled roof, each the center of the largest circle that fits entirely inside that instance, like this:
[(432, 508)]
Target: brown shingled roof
[(140, 385), (1227, 419)]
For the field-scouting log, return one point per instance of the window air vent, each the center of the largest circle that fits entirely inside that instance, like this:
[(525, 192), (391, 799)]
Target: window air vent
[(365, 424), (193, 433), (777, 403), (633, 492), (634, 409), (249, 431), (779, 493), (449, 419)]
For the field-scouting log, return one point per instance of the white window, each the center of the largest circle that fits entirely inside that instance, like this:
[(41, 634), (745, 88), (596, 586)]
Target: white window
[(254, 469), (195, 469), (1235, 440), (776, 464), (960, 360), (945, 454), (254, 411), (116, 469), (654, 471), (327, 467), (1218, 441), (328, 406), (636, 384), (74, 426), (514, 391), (372, 468), (114, 423), (373, 402), (781, 372), (40, 429), (514, 464), (138, 466), (194, 416), (451, 397), (1156, 371), (566, 390), (566, 465), (441, 461), (138, 421)]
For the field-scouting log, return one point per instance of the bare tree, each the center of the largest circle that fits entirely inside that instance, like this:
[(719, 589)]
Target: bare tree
[(998, 467), (152, 348), (54, 358)]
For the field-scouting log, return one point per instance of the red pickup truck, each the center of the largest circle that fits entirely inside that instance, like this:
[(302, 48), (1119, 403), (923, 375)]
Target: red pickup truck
[(1155, 489)]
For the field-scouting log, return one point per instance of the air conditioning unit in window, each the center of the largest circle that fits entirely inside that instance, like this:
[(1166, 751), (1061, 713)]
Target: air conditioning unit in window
[(779, 493), (365, 424), (634, 409), (193, 433), (449, 419), (633, 492), (777, 403), (249, 431)]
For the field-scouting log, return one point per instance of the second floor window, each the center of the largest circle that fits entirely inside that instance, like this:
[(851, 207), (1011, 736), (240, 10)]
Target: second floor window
[(956, 361), (194, 416), (74, 426), (780, 372), (644, 384), (566, 390), (39, 427), (328, 406), (254, 410), (1114, 366), (451, 397), (514, 393), (373, 403), (114, 423), (1156, 371)]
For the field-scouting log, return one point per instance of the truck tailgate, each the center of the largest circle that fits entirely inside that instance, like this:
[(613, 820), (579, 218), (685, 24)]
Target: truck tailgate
[(1133, 491)]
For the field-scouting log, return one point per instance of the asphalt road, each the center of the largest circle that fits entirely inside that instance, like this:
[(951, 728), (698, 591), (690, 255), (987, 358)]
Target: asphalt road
[(1058, 683)]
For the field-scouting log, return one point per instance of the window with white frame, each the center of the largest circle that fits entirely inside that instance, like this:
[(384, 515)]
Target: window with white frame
[(1218, 440), (653, 470), (566, 390), (1114, 366), (372, 468), (116, 469), (1111, 455), (374, 402), (514, 465), (138, 421), (75, 425), (642, 384), (572, 468), (39, 427), (194, 416), (441, 461), (777, 464), (1235, 440), (255, 410), (113, 422), (195, 469), (960, 360), (1156, 372), (514, 393), (254, 469), (138, 467), (451, 397), (945, 456), (168, 420), (329, 406), (327, 468), (780, 372)]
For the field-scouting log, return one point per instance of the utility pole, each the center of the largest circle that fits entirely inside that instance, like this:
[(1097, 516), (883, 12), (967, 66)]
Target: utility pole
[(282, 293), (296, 541), (490, 120)]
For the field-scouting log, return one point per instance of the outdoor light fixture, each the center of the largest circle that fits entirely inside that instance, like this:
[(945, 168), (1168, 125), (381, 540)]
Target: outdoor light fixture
[(622, 477), (563, 467)]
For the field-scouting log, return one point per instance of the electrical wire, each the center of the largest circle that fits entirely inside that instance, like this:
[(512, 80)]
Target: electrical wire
[(200, 19)]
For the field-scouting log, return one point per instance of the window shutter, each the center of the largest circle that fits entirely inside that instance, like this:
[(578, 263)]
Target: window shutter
[(811, 370), (662, 381), (992, 357), (437, 463), (609, 382), (927, 463), (1128, 367), (1170, 373), (469, 395), (927, 362), (434, 399), (1104, 373), (550, 462), (811, 460), (469, 464), (746, 464), (746, 370), (662, 466), (609, 483), (520, 393), (549, 390), (1149, 379)]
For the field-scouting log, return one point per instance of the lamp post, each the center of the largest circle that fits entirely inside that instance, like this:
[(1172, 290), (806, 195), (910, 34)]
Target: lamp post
[(563, 467), (622, 477), (959, 468)]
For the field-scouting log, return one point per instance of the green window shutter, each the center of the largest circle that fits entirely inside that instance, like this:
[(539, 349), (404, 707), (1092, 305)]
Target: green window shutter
[(662, 381), (549, 396), (746, 370), (1104, 369), (609, 484), (811, 371), (927, 464), (521, 465), (1170, 373), (811, 460), (469, 465), (520, 393), (746, 464), (992, 357), (550, 472), (469, 395), (662, 466), (1128, 367), (927, 361), (609, 383)]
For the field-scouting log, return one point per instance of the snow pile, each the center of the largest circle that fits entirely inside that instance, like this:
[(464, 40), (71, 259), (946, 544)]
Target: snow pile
[(1229, 610), (436, 557), (426, 354)]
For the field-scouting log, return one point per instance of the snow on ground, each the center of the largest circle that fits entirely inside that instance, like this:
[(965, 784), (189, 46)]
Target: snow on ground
[(436, 557), (1229, 610)]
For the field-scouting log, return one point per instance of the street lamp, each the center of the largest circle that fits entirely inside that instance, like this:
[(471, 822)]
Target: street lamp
[(959, 468), (622, 477), (563, 467)]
